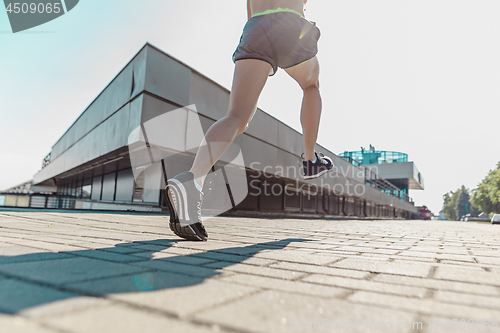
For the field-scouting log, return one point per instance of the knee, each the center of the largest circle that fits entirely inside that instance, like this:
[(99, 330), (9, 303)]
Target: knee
[(311, 84), (237, 122)]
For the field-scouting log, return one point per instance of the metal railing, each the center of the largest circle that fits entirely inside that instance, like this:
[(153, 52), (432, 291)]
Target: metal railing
[(52, 201)]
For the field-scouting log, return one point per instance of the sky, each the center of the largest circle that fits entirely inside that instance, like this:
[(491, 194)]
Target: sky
[(420, 77)]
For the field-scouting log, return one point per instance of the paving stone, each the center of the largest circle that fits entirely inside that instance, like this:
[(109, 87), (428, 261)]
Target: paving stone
[(34, 256), (109, 256), (63, 306), (59, 271), (384, 267), (357, 284), (459, 325), (265, 271), (425, 306), (120, 249), (120, 319), (184, 300), (292, 256), (489, 253), (489, 260), (437, 284), (273, 311), (168, 266), (284, 285), (15, 250), (214, 255), (468, 274), (492, 301), (48, 246), (155, 255), (320, 269), (17, 324), (16, 296)]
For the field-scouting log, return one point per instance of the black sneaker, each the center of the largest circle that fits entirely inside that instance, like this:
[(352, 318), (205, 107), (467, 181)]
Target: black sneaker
[(314, 170), (184, 203)]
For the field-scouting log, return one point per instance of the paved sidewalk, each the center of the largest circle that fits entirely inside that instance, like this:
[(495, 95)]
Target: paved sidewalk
[(96, 272)]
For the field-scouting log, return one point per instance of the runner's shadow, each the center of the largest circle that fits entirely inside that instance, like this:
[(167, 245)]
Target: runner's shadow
[(30, 280)]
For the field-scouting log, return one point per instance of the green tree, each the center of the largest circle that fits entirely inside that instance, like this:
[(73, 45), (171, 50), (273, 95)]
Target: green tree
[(457, 204), (487, 195), (450, 205), (462, 202)]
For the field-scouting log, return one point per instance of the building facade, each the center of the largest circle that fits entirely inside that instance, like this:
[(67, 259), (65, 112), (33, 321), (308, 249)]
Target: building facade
[(95, 163)]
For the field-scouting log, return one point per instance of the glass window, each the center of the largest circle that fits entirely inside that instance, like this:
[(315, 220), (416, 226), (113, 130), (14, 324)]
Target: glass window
[(86, 188), (96, 188), (108, 187)]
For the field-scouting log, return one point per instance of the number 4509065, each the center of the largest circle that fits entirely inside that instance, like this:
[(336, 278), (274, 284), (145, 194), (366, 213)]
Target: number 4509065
[(33, 8)]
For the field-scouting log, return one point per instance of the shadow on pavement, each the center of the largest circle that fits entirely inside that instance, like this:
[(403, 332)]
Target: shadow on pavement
[(39, 278)]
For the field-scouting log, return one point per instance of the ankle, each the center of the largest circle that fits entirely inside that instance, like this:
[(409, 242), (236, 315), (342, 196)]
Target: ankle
[(198, 180), (311, 157)]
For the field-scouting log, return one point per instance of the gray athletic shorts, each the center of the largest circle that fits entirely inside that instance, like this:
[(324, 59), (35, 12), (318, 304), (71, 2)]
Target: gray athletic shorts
[(282, 39)]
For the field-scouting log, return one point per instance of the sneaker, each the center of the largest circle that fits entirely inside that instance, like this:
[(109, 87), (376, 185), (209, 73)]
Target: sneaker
[(184, 202), (314, 170)]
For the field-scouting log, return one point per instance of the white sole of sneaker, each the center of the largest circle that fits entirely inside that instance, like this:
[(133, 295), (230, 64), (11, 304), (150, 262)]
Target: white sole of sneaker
[(179, 198), (316, 175)]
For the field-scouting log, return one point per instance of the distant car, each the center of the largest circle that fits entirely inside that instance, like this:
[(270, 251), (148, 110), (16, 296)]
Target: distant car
[(495, 219)]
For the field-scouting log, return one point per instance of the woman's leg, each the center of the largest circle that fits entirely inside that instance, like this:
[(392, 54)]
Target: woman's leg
[(307, 76), (250, 76)]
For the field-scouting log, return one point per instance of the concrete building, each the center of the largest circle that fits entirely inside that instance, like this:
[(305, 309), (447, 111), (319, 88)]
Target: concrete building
[(390, 165), (91, 167)]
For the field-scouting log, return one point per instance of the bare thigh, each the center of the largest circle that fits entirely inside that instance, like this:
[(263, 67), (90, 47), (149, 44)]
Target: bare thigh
[(306, 74)]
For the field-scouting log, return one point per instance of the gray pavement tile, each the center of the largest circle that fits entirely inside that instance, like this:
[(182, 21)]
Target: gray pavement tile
[(120, 249), (418, 254), (467, 274), (455, 257), (189, 260), (22, 254), (406, 260), (233, 258), (437, 284), (180, 251), (60, 271), (491, 301), (425, 306), (372, 256), (121, 319), (294, 256), (187, 299), (148, 247), (265, 271), (327, 270), (284, 285), (357, 284), (17, 250), (458, 325), (63, 306), (490, 253), (17, 324), (16, 295), (199, 247), (140, 282), (272, 311), (109, 256), (155, 255), (412, 269), (169, 266), (489, 260)]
